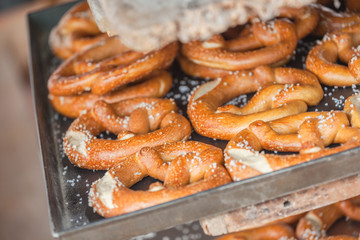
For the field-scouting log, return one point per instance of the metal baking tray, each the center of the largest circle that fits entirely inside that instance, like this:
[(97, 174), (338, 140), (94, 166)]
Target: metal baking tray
[(68, 186)]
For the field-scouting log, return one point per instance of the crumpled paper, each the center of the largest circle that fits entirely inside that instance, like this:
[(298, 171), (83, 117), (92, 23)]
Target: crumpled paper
[(145, 25)]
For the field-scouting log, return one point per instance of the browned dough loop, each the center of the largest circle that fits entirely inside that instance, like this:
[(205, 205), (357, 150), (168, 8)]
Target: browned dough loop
[(197, 70), (106, 66), (155, 85)]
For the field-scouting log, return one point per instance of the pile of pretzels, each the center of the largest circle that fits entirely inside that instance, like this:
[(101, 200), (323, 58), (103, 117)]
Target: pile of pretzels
[(107, 87)]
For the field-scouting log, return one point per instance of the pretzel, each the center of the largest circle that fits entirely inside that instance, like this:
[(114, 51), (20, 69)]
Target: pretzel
[(284, 92), (316, 222), (134, 120), (155, 85), (184, 168), (322, 59), (350, 208), (105, 66), (270, 232), (278, 38), (331, 21), (76, 31), (307, 133), (352, 109)]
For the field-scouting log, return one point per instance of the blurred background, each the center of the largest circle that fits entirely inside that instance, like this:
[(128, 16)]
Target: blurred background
[(23, 208)]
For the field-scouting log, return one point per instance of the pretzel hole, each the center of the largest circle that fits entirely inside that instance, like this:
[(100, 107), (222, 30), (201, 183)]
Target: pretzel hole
[(144, 184), (107, 135)]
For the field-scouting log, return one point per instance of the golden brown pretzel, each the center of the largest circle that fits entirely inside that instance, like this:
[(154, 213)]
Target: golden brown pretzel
[(278, 38), (350, 208), (184, 168), (307, 133), (352, 109), (131, 120), (76, 31), (322, 59), (331, 21), (270, 232), (316, 222), (106, 66), (155, 85), (283, 92)]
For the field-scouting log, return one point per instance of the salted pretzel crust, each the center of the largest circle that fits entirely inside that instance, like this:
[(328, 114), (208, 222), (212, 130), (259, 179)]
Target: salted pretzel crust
[(184, 168), (278, 38), (127, 119), (155, 85), (106, 66), (307, 133), (341, 45), (282, 92)]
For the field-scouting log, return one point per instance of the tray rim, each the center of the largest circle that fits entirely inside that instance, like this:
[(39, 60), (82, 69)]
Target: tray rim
[(91, 231)]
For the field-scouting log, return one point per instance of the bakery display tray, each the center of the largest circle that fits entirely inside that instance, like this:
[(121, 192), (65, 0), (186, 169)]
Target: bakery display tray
[(68, 186)]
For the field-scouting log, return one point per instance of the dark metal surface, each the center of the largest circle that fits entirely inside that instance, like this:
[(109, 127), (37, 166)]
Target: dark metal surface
[(68, 186)]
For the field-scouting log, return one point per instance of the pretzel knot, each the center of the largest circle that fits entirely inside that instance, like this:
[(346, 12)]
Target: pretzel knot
[(342, 45), (139, 123), (270, 232), (76, 31), (307, 133), (283, 92), (156, 84), (184, 168), (278, 39), (106, 66), (316, 222)]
